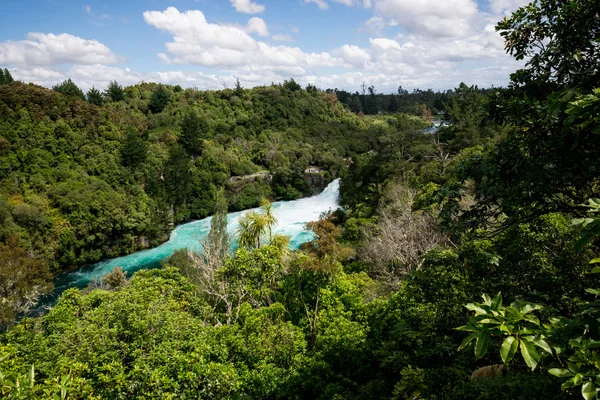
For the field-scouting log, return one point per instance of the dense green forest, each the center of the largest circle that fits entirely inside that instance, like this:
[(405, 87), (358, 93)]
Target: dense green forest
[(462, 265), (86, 180)]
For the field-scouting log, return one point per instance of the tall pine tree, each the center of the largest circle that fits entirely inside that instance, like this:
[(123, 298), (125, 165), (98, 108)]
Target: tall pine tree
[(159, 100), (133, 149), (95, 97), (192, 132)]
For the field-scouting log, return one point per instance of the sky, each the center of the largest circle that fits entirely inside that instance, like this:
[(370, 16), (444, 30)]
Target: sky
[(208, 44)]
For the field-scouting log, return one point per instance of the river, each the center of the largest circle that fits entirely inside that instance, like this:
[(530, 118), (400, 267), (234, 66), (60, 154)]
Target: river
[(291, 216)]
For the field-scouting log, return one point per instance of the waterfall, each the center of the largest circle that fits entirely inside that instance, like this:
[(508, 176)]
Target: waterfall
[(291, 216)]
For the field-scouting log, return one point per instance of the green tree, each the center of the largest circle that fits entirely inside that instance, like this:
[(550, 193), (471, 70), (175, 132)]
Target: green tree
[(193, 129), (559, 40), (177, 175), (218, 238), (466, 111), (256, 227), (133, 149), (238, 89), (548, 158), (114, 92), (355, 105), (94, 96), (159, 100), (292, 85), (5, 76), (69, 88)]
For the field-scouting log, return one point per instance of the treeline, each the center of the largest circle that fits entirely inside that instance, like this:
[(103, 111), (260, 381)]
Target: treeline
[(424, 103)]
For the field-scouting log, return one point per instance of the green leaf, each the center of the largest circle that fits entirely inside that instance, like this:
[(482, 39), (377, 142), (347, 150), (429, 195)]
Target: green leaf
[(595, 260), (530, 355), (541, 343), (475, 308), (481, 344), (497, 301), (487, 300), (527, 308), (588, 390), (467, 341), (561, 372), (508, 349)]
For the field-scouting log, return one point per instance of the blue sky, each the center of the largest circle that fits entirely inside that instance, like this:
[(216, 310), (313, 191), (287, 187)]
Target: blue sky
[(210, 43)]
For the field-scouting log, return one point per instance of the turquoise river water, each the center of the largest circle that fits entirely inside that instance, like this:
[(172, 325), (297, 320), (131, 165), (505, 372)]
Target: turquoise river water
[(291, 216)]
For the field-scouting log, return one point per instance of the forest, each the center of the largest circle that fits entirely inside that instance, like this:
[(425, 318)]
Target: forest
[(463, 264)]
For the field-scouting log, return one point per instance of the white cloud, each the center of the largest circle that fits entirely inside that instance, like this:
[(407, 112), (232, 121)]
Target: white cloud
[(322, 4), (282, 38), (41, 49), (421, 43), (258, 26), (354, 55), (247, 6), (196, 41), (88, 9), (449, 18)]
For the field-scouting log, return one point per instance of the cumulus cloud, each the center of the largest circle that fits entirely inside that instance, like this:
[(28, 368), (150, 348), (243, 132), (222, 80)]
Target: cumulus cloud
[(258, 26), (423, 44), (354, 55), (196, 41), (449, 18), (45, 49), (247, 6)]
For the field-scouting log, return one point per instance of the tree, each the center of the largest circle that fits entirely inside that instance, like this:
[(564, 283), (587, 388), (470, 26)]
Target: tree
[(159, 100), (218, 238), (193, 128), (23, 280), (548, 158), (256, 226), (402, 237), (559, 39), (70, 89), (310, 88), (133, 149), (291, 85), (116, 279), (114, 92), (95, 97), (239, 89), (5, 76), (355, 105), (178, 175)]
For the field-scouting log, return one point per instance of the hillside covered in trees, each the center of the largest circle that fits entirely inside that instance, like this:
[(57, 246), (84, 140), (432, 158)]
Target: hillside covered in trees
[(462, 265)]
